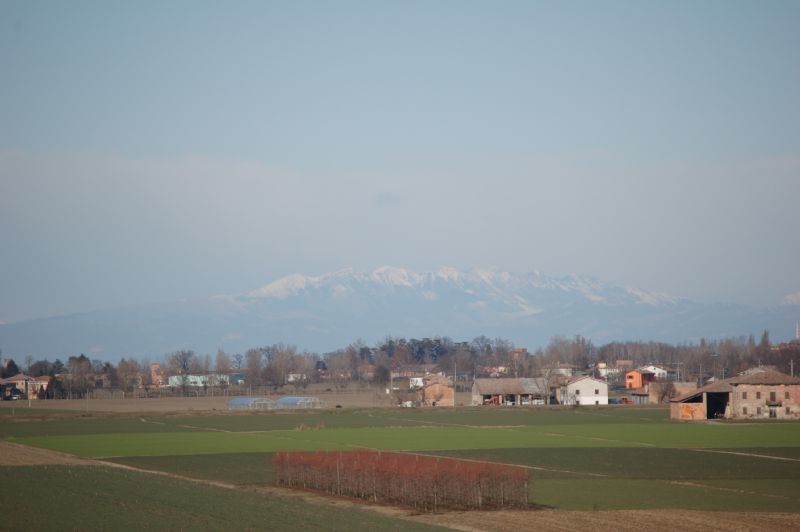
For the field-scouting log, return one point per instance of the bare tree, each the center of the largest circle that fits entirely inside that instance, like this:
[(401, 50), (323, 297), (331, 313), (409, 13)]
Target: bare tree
[(383, 368), (339, 368), (303, 367), (280, 363), (664, 390), (182, 362), (253, 366), (146, 373), (223, 363), (80, 374), (129, 374)]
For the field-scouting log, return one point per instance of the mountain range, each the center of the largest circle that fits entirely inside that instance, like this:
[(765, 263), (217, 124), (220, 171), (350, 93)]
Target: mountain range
[(326, 312)]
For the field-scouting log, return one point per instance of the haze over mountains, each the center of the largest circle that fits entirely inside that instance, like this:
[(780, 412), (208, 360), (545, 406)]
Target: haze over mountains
[(329, 311)]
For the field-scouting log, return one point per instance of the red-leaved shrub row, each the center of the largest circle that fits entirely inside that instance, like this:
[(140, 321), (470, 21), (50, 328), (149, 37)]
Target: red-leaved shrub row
[(423, 482)]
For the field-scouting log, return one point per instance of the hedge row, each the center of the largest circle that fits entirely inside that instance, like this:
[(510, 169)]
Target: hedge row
[(423, 482)]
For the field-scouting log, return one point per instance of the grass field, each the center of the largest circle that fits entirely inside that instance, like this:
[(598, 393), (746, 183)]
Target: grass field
[(95, 498), (579, 459)]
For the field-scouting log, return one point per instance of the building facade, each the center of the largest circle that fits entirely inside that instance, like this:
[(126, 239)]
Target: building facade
[(638, 378), (584, 391), (437, 391), (510, 392), (766, 394)]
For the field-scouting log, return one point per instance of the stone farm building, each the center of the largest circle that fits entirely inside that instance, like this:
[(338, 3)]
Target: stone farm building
[(510, 392), (437, 391), (757, 395)]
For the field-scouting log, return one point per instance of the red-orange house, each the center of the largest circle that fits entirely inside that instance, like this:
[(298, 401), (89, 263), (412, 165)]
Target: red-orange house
[(639, 378)]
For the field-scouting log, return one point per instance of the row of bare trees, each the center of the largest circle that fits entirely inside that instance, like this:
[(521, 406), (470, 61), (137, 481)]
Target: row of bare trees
[(425, 483), (721, 358), (279, 364)]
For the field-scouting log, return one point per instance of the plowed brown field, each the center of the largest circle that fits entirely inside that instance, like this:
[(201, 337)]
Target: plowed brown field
[(12, 454)]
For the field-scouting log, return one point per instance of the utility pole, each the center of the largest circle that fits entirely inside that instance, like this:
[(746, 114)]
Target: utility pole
[(455, 383), (715, 356)]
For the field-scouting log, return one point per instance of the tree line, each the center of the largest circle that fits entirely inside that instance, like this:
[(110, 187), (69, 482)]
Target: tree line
[(280, 364)]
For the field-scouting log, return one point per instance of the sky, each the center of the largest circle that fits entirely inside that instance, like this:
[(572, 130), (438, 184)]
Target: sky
[(156, 151)]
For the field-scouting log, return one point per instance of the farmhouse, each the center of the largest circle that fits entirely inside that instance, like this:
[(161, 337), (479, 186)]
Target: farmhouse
[(510, 392), (584, 391), (30, 387), (760, 395), (639, 378), (437, 391)]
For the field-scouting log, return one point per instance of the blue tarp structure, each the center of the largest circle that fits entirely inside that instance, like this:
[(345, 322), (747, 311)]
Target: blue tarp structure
[(251, 403)]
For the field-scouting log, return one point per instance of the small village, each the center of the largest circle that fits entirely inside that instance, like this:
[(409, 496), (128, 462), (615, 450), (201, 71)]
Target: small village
[(760, 392)]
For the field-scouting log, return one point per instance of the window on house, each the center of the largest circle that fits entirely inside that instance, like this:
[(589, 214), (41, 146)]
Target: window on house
[(744, 410), (788, 410), (597, 391), (577, 392), (758, 395), (597, 402), (785, 395), (744, 395), (758, 411), (772, 397)]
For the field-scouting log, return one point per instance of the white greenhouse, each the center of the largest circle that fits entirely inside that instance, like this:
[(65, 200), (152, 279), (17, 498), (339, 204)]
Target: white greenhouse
[(251, 403)]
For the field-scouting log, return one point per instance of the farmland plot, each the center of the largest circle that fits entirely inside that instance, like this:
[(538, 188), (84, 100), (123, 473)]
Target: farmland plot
[(586, 459)]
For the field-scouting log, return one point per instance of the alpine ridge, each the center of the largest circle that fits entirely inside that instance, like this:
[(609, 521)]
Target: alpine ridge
[(326, 312)]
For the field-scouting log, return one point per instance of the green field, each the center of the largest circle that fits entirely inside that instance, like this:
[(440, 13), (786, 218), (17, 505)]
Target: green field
[(581, 459), (94, 498)]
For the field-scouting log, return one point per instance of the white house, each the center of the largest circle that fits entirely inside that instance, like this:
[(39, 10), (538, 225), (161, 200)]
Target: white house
[(584, 391), (198, 381), (660, 373)]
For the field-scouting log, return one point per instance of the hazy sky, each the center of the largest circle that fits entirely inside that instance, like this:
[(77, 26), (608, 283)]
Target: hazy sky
[(171, 150)]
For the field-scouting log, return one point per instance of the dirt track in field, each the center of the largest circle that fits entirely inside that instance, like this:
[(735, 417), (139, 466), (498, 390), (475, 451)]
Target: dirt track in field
[(13, 454)]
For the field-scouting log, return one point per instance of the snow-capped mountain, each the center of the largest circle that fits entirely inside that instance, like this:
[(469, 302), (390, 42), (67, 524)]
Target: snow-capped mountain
[(492, 284), (328, 311)]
